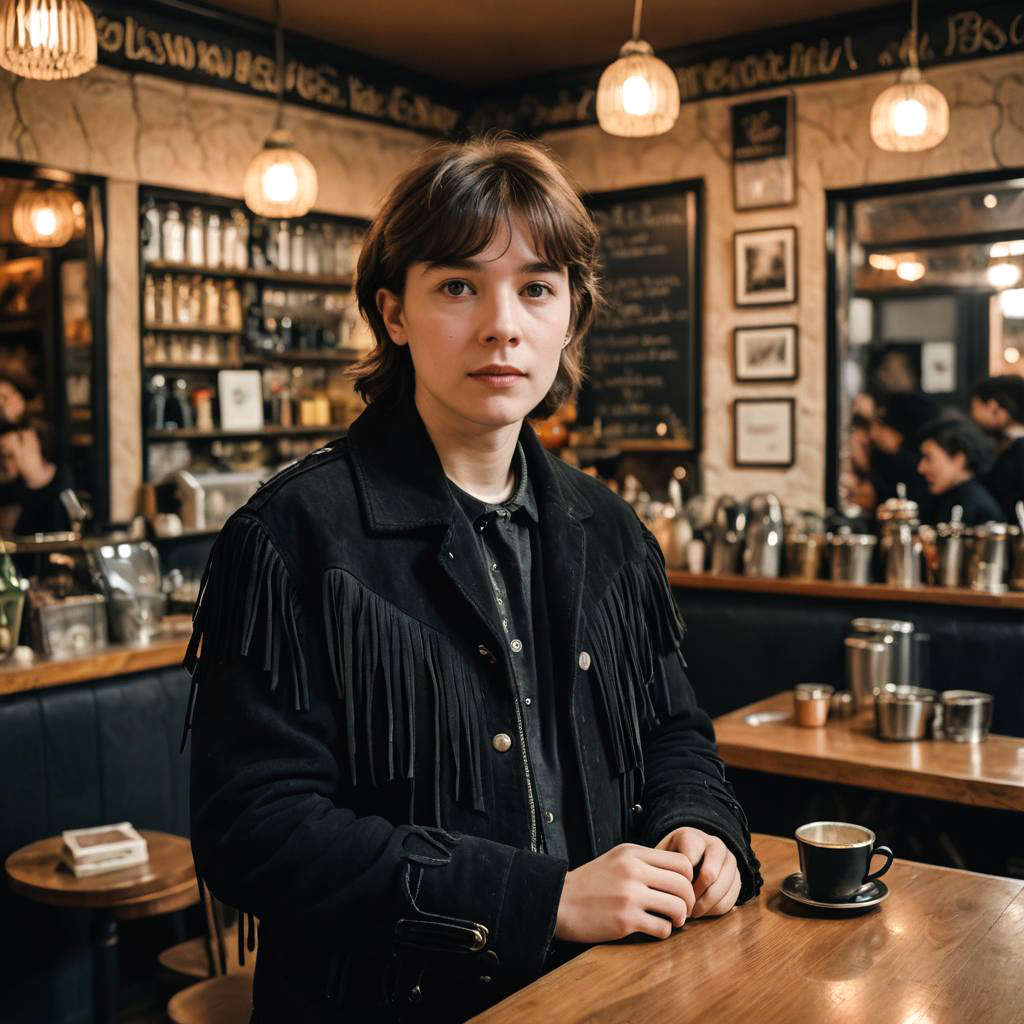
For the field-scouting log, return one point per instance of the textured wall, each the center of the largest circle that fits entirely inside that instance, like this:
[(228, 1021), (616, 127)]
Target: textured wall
[(133, 129), (834, 150)]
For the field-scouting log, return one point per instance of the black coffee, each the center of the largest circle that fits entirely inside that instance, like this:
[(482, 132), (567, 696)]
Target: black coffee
[(835, 858)]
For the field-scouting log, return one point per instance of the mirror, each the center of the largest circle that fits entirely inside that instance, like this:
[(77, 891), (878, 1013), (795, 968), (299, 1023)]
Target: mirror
[(926, 298), (53, 434)]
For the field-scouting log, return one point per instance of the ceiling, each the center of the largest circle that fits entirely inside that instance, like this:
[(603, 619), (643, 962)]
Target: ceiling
[(480, 42)]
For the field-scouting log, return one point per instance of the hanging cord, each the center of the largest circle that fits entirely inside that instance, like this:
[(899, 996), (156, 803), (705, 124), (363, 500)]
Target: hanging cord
[(913, 34), (279, 47), (638, 10)]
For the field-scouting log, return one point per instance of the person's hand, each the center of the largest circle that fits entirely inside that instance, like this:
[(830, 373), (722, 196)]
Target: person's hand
[(717, 886), (628, 889)]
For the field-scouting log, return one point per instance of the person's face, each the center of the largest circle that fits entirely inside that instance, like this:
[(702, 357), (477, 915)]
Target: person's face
[(884, 438), (940, 469), (485, 334), (10, 450), (990, 415), (12, 402)]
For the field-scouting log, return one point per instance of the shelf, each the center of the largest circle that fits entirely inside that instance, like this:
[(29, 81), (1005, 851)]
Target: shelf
[(340, 281), (226, 435), (191, 329), (314, 358)]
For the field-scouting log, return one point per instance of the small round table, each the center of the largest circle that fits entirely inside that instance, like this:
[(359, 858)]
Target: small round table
[(165, 883)]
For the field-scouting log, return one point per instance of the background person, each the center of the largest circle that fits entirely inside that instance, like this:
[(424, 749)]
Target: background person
[(997, 406), (30, 494), (953, 453), (894, 452)]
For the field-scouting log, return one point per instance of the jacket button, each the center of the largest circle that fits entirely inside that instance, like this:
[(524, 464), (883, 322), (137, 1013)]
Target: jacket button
[(485, 979), (637, 809), (502, 742), (584, 660), (415, 994)]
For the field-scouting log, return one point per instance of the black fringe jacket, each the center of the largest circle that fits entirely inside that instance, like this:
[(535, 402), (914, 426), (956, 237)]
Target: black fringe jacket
[(345, 790)]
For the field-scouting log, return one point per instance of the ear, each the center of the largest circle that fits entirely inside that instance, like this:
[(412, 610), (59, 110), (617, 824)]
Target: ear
[(389, 305)]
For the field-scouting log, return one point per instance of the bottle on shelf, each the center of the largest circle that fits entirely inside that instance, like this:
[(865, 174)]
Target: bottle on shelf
[(298, 255), (213, 240), (232, 300), (149, 313), (284, 246), (165, 300), (150, 232), (195, 234), (314, 249), (328, 263), (211, 303), (264, 245), (240, 259), (173, 234)]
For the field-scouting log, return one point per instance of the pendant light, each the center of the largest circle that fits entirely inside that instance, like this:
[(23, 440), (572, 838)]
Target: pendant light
[(44, 216), (638, 95), (912, 115), (280, 181), (47, 39)]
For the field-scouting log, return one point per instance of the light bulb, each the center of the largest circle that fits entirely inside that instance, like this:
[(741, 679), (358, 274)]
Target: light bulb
[(880, 261), (1003, 275), (909, 118), (910, 270), (42, 27), (1011, 302), (991, 201), (636, 96), (280, 183), (1011, 355), (44, 220)]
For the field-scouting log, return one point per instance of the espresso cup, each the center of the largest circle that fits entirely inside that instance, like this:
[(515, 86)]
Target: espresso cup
[(835, 858)]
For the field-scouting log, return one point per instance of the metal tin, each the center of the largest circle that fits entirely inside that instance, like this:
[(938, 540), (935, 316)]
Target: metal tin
[(850, 556), (904, 712), (966, 715)]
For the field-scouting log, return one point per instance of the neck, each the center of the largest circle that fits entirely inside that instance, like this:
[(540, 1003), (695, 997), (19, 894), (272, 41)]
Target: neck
[(477, 459), (1013, 431)]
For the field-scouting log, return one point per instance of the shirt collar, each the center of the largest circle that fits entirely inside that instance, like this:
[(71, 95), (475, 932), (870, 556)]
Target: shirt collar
[(481, 512)]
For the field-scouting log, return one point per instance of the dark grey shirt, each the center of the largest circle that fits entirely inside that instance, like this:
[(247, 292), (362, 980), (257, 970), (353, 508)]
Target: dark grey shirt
[(509, 547)]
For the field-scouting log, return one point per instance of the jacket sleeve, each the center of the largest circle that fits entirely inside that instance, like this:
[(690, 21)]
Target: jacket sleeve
[(273, 829), (684, 778)]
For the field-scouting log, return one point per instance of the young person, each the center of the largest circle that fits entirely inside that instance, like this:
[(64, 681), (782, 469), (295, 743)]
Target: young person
[(31, 486), (954, 452), (997, 406), (894, 454), (442, 737)]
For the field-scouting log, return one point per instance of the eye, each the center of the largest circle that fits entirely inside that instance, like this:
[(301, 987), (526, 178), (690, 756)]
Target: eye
[(537, 290), (455, 288)]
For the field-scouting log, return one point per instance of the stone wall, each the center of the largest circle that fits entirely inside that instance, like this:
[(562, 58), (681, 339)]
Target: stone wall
[(133, 129), (834, 150)]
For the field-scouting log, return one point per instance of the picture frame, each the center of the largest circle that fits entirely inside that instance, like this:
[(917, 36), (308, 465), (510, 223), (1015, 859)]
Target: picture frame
[(765, 267), (240, 393), (766, 354), (764, 433), (763, 144)]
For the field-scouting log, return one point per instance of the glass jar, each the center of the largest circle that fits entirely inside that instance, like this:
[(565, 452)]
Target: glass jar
[(173, 234), (195, 238), (213, 239)]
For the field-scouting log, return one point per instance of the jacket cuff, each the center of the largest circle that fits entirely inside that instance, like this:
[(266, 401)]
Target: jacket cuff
[(717, 814)]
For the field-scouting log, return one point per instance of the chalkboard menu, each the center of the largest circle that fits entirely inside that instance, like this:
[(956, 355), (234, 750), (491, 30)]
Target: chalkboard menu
[(643, 352)]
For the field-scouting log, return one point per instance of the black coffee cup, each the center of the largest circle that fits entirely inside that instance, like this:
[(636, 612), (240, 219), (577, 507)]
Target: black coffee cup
[(835, 858)]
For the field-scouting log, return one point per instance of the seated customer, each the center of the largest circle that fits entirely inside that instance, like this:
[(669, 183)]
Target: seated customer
[(30, 496), (953, 452), (894, 454), (997, 406), (13, 401)]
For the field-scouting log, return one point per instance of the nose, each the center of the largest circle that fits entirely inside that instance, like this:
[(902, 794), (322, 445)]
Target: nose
[(499, 321)]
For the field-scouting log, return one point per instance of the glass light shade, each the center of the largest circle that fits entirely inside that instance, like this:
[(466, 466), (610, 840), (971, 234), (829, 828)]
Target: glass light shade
[(909, 116), (1012, 304), (44, 217), (1003, 275), (910, 270), (638, 95), (280, 181), (47, 39)]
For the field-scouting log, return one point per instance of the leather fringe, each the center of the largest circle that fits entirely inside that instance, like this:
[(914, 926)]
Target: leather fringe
[(252, 612), (635, 623), (375, 654)]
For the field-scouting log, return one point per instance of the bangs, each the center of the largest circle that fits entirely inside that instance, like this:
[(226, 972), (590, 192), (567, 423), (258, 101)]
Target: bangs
[(467, 207)]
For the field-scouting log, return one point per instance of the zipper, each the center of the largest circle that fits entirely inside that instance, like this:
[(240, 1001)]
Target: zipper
[(526, 769)]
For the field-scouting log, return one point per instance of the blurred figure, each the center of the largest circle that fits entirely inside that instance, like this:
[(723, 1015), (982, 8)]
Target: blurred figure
[(894, 454), (13, 403), (954, 452), (30, 496), (997, 406)]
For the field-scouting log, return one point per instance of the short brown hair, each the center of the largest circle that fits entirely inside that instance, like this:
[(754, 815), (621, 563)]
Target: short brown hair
[(449, 206)]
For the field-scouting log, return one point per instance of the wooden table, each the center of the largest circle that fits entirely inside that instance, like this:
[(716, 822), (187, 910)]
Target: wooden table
[(167, 882), (946, 947), (988, 774)]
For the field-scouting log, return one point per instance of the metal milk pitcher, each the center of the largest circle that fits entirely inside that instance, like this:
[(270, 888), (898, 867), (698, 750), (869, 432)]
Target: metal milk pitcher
[(762, 553)]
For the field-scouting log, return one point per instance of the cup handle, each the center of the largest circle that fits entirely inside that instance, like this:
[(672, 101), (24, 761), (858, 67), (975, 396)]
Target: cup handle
[(883, 851)]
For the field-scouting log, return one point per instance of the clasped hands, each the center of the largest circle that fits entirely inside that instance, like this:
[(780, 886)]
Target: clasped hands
[(638, 889)]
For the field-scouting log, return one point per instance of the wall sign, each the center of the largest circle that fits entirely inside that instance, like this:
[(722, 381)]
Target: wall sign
[(762, 153), (643, 353)]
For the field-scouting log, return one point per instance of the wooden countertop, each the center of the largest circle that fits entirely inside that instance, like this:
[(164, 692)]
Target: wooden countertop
[(118, 659), (987, 774), (943, 948), (1012, 601)]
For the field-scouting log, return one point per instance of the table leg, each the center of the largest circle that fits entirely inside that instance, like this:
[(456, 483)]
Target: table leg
[(105, 961)]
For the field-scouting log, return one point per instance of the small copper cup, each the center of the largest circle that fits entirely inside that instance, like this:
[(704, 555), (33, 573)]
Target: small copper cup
[(811, 703)]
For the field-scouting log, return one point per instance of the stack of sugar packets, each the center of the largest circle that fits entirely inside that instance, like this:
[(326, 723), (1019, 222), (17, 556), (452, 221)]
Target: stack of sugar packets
[(93, 851)]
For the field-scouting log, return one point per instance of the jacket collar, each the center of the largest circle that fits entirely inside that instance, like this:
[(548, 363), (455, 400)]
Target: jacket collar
[(401, 482)]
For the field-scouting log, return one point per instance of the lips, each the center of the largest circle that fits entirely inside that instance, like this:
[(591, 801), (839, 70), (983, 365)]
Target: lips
[(498, 370)]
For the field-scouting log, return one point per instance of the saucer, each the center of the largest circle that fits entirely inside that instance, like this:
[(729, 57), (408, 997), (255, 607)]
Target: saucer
[(868, 895)]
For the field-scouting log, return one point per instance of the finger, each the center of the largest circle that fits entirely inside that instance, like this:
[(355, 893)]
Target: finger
[(715, 858), (671, 882), (692, 843), (714, 893), (650, 924), (666, 905), (728, 901), (670, 860)]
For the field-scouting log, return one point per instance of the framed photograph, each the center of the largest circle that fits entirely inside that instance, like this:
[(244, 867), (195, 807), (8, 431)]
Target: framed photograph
[(763, 172), (766, 353), (241, 399), (765, 265), (764, 432)]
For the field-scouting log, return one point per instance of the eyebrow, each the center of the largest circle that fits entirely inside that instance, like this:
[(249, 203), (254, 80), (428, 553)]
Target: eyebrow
[(462, 263)]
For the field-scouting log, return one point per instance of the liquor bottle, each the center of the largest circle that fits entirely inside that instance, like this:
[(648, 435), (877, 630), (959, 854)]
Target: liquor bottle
[(213, 246), (284, 247), (229, 243), (149, 315), (173, 234), (264, 254), (150, 232), (298, 260), (241, 222), (195, 237)]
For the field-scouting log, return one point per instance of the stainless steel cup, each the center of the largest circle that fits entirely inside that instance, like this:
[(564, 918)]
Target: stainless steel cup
[(966, 715), (869, 665), (850, 556), (904, 712)]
